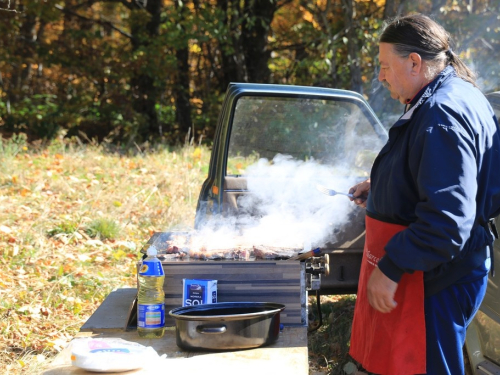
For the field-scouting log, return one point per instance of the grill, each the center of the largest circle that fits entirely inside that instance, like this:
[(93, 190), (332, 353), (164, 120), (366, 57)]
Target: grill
[(244, 273)]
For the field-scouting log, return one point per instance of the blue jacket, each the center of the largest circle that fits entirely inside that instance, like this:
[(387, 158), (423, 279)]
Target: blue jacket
[(439, 174)]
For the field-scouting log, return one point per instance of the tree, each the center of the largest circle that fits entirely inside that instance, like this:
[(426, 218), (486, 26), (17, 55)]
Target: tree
[(145, 30), (352, 41), (134, 70), (182, 79), (257, 18)]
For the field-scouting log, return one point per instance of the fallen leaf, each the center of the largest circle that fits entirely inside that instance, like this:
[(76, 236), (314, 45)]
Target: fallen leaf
[(5, 229), (119, 254), (94, 243), (15, 250), (83, 257)]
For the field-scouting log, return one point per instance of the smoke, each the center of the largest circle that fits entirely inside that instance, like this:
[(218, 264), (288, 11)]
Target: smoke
[(283, 208), (387, 109), (476, 42)]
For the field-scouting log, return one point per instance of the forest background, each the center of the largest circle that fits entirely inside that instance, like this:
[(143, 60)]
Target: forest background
[(146, 78), (130, 71)]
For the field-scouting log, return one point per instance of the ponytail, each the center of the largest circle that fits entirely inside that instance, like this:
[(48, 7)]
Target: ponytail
[(462, 70)]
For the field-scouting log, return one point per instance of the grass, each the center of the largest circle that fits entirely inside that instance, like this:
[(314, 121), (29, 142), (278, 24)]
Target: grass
[(103, 228), (72, 221), (329, 345)]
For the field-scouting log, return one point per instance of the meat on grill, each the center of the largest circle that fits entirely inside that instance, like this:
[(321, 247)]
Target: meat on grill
[(181, 246), (273, 252), (220, 254)]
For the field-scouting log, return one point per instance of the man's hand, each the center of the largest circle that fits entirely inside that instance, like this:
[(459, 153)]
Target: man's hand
[(381, 291), (360, 193)]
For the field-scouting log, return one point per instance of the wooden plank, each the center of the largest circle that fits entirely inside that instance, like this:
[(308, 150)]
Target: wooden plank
[(288, 355), (113, 312)]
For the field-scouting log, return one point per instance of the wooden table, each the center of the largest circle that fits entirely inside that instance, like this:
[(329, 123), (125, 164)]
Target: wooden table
[(288, 355)]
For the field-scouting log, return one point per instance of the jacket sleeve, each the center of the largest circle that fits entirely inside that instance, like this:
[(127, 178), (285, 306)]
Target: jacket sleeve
[(443, 162)]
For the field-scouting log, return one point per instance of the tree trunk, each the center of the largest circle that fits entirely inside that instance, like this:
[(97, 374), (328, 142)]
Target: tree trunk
[(181, 93), (182, 79), (390, 9), (145, 94), (255, 31), (24, 55), (232, 59), (352, 47)]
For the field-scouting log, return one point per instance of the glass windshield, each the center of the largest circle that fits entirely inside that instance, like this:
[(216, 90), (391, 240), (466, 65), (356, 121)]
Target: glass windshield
[(330, 132)]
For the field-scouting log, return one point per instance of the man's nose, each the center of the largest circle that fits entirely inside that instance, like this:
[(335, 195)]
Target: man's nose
[(381, 76)]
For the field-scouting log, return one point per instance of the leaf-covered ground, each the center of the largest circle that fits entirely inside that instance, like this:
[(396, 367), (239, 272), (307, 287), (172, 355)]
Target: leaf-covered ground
[(72, 222), (329, 344)]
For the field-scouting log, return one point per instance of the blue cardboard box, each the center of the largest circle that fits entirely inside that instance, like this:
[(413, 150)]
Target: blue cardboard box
[(198, 292)]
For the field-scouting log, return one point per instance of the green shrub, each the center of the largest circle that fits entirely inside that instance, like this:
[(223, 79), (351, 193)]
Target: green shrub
[(103, 229), (14, 145), (66, 227)]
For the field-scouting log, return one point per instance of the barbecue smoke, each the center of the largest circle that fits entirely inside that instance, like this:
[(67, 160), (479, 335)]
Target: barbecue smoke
[(283, 208)]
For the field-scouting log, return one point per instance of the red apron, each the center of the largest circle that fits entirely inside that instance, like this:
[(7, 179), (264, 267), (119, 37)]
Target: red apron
[(388, 343)]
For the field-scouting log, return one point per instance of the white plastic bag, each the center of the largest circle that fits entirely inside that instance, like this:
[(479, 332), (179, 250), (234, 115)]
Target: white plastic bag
[(111, 354)]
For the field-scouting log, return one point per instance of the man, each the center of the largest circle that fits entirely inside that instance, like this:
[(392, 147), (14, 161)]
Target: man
[(432, 190)]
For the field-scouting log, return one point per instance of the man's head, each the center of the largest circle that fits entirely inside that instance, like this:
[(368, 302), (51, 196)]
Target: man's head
[(412, 51), (402, 76)]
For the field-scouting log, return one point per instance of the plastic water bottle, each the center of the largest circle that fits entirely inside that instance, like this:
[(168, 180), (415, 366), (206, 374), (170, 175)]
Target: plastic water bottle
[(151, 297)]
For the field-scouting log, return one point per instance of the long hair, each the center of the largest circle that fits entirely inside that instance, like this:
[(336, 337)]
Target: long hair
[(420, 34)]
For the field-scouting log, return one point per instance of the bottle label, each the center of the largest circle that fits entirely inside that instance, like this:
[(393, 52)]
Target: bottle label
[(151, 316), (149, 268)]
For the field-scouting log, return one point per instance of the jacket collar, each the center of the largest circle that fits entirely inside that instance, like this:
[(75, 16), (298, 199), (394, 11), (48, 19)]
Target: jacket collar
[(425, 93)]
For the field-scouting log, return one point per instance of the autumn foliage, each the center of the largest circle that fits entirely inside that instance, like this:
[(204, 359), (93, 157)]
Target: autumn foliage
[(130, 71)]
